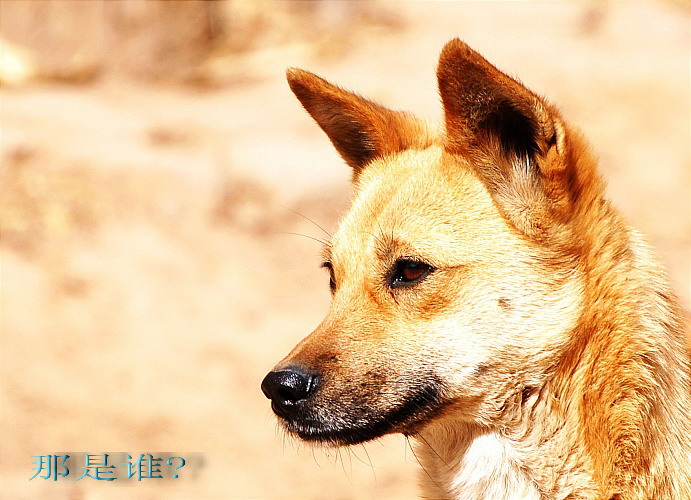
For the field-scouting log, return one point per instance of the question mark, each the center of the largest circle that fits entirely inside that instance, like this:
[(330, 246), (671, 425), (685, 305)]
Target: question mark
[(169, 462)]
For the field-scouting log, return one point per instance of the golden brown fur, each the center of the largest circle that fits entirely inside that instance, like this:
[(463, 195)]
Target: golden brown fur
[(543, 354)]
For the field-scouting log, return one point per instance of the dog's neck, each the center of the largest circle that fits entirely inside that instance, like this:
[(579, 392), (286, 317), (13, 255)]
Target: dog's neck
[(465, 462), (523, 460)]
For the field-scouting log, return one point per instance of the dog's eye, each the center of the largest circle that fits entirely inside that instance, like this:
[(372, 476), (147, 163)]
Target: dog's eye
[(332, 281), (408, 273)]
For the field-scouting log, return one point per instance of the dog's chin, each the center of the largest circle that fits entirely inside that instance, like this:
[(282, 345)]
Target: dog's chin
[(354, 427), (320, 433)]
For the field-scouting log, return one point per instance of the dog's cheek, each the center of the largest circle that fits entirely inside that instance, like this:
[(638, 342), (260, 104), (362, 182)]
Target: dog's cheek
[(505, 332), (457, 354), (540, 310)]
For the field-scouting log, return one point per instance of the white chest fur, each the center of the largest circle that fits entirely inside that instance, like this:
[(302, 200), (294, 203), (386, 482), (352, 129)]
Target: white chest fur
[(489, 469), (482, 467)]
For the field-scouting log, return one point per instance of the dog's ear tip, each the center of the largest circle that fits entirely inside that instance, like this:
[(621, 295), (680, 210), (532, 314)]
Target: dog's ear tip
[(300, 77), (459, 59), (454, 45), (455, 49), (296, 76), (293, 73), (306, 84)]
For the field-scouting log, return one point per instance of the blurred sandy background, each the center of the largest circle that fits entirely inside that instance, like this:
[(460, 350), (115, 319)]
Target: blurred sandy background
[(153, 159)]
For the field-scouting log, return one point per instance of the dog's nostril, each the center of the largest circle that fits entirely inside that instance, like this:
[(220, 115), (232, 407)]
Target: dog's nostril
[(287, 395), (287, 387)]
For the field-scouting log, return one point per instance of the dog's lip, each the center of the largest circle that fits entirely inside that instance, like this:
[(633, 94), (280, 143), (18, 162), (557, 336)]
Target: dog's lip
[(407, 418), (355, 435)]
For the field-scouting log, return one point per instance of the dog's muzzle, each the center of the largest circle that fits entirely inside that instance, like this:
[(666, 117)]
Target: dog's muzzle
[(287, 389)]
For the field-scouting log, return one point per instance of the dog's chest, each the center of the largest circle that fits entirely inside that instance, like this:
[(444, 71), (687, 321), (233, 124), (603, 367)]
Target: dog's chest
[(490, 469)]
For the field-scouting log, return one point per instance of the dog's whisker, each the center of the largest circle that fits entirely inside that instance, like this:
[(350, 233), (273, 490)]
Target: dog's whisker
[(314, 457), (307, 218), (323, 242), (339, 456), (376, 238), (350, 460), (381, 231), (422, 466), (419, 435), (369, 461)]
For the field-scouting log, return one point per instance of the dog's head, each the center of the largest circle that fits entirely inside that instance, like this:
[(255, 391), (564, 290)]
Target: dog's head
[(455, 274)]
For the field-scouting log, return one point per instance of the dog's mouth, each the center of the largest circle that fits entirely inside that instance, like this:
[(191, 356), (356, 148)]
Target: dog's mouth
[(347, 426)]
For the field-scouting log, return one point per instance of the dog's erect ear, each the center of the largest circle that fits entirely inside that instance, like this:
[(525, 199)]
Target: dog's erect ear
[(516, 142), (361, 130), (485, 109)]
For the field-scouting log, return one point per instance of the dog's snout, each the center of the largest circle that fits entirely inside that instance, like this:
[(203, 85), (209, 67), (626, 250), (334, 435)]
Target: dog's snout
[(286, 388)]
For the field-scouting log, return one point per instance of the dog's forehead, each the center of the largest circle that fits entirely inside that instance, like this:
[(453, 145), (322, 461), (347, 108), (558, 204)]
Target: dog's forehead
[(416, 198)]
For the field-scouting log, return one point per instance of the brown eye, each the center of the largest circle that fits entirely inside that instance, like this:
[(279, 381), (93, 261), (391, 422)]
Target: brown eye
[(408, 273)]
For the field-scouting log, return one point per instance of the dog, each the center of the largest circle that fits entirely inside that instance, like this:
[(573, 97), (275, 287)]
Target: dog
[(489, 302)]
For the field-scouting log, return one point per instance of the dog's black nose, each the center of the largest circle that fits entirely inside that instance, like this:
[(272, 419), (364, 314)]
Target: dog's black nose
[(286, 388)]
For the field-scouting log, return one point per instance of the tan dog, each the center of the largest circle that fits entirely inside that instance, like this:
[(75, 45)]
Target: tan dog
[(490, 302)]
